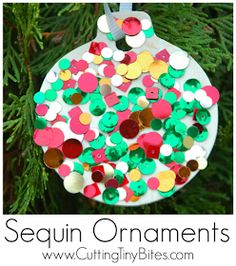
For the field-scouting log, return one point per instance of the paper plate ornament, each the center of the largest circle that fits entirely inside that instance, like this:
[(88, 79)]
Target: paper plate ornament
[(126, 127)]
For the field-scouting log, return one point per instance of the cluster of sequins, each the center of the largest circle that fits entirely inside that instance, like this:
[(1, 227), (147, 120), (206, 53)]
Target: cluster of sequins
[(119, 139), (136, 31)]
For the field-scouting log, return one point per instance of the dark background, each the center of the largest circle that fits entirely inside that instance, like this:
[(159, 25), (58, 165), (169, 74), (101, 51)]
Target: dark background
[(37, 35)]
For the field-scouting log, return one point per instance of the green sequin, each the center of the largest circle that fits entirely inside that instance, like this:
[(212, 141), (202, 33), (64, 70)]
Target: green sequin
[(40, 123), (104, 128), (86, 156), (122, 105), (168, 193), (113, 153), (165, 159), (119, 176), (149, 32), (57, 85), (97, 108), (110, 37), (180, 128), (166, 80), (202, 136), (131, 164), (124, 147), (203, 117), (137, 155), (177, 111), (147, 166), (156, 124), (95, 97), (179, 157), (193, 131), (170, 123), (136, 108), (110, 195), (39, 97), (116, 138), (134, 94), (64, 64), (170, 97), (192, 85), (99, 142), (51, 95), (139, 188), (172, 138), (110, 119), (175, 73), (78, 168), (187, 106)]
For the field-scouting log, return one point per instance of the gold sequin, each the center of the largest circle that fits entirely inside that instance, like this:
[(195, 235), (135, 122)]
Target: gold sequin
[(122, 69), (157, 68), (145, 59), (65, 75), (167, 180), (97, 60), (105, 81), (85, 118), (146, 117), (135, 175), (134, 71), (188, 142)]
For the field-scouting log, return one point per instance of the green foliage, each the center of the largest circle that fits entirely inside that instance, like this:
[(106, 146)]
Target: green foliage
[(37, 35)]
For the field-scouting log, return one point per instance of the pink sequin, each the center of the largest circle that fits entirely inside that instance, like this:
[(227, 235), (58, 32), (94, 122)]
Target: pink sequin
[(89, 135), (43, 137), (153, 183), (124, 86), (99, 156), (69, 84), (152, 138), (87, 82), (213, 93), (111, 99), (64, 170), (174, 167), (82, 65), (89, 191), (77, 127), (152, 93), (163, 55), (75, 112), (58, 118), (41, 109), (140, 140), (133, 56), (109, 71), (131, 26), (57, 139), (129, 192), (161, 109), (92, 190), (147, 81)]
